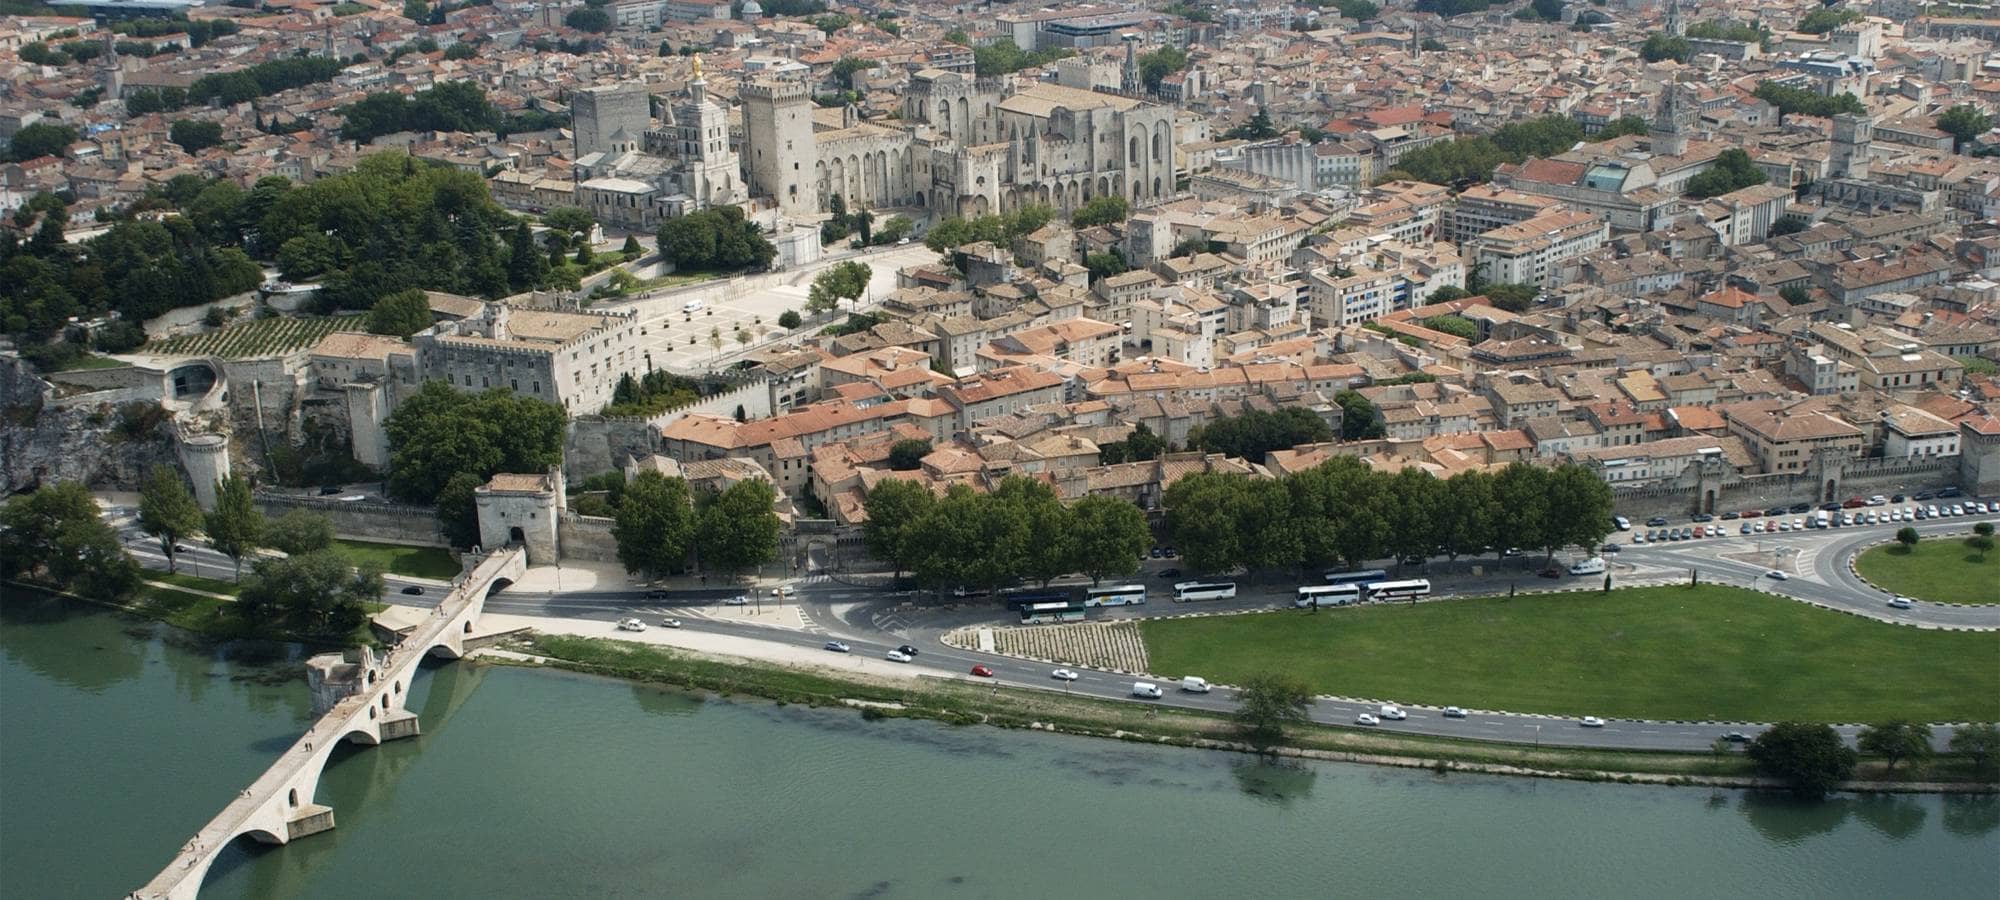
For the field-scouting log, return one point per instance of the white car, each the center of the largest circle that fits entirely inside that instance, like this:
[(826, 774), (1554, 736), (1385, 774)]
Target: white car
[(1063, 674), (1901, 602), (1394, 712), (738, 600), (1453, 712), (1776, 575), (631, 625), (1366, 719), (1591, 722), (896, 656), (836, 646), (671, 623)]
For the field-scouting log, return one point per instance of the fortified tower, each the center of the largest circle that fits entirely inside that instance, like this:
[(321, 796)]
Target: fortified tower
[(206, 459), (779, 155), (1852, 135)]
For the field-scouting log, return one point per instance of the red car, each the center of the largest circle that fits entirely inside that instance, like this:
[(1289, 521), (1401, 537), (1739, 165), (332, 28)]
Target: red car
[(1752, 513), (982, 671), (1854, 503)]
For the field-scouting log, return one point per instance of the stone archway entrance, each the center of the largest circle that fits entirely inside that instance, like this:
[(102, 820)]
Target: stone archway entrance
[(1832, 490)]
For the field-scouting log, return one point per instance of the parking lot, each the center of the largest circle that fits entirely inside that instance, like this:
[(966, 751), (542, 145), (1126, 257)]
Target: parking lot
[(1802, 518)]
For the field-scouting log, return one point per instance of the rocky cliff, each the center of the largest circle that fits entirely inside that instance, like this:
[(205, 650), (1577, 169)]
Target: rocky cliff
[(104, 445)]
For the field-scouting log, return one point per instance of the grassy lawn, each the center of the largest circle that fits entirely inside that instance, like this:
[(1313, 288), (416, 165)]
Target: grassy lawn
[(399, 559), (1943, 570), (92, 361), (197, 582), (1714, 653)]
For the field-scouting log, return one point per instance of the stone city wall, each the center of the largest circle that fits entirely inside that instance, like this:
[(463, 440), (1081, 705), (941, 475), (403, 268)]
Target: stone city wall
[(363, 520), (587, 537)]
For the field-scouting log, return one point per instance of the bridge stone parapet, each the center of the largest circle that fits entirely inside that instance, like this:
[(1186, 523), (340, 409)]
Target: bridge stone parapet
[(279, 806)]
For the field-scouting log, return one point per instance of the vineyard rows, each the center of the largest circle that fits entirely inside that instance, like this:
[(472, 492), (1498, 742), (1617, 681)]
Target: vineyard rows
[(263, 337)]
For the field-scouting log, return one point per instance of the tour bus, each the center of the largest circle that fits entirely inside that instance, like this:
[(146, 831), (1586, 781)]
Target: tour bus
[(1053, 611), (1117, 595), (1364, 576), (1196, 590), (1022, 599), (1399, 590), (1328, 595)]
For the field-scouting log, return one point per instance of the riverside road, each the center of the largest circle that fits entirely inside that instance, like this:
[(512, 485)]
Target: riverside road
[(874, 620)]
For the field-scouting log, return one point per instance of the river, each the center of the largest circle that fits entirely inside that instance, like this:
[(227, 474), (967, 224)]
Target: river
[(119, 738)]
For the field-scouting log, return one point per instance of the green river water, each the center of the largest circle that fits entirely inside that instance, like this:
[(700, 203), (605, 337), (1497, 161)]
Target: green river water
[(119, 738)]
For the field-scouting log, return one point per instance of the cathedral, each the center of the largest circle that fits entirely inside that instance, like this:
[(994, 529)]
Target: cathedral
[(633, 171)]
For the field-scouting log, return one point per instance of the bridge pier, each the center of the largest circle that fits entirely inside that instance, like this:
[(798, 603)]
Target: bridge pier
[(400, 724)]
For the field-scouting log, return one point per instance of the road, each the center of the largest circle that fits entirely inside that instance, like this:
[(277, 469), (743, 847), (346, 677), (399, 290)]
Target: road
[(873, 621)]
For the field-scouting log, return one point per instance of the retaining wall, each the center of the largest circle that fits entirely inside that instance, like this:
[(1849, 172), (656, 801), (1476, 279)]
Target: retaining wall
[(586, 537), (389, 523)]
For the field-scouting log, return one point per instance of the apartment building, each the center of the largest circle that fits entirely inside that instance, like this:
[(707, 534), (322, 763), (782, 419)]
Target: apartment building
[(1531, 251), (1784, 436), (1485, 207)]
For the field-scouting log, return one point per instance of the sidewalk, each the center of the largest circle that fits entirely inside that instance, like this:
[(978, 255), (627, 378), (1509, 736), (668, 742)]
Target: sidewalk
[(584, 575)]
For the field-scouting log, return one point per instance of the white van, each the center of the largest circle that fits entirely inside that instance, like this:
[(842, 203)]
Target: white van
[(1147, 689), (691, 306), (1591, 566), (1194, 684)]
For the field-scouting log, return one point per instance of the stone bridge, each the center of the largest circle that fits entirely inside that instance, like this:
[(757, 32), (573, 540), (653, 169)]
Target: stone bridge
[(278, 807)]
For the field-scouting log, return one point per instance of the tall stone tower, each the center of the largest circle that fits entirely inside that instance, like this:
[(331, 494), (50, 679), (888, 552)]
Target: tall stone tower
[(110, 70), (1129, 80), (1852, 135), (779, 155), (1671, 19), (609, 119), (1673, 119)]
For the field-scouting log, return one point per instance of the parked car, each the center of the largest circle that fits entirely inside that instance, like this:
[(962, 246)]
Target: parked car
[(836, 646), (1776, 511), (631, 625), (657, 594), (1195, 684), (1924, 495), (1901, 602), (1591, 722), (1063, 674), (1736, 737), (1611, 548), (1172, 553), (1732, 515), (1702, 517), (1830, 507), (1657, 521), (738, 600), (896, 656), (1366, 719), (413, 591), (1622, 523), (1950, 492), (1853, 503), (982, 672), (329, 490), (1896, 498), (1745, 529), (1752, 513), (1156, 553), (1453, 712)]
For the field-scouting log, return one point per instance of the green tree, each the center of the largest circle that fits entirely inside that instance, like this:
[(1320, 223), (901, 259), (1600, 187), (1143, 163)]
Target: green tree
[(460, 50), (316, 592), (1470, 515), (1660, 46), (1107, 210), (908, 454), (299, 532), (1201, 519), (234, 526), (195, 135), (1141, 445), (40, 139), (167, 511), (1268, 702), (55, 535), (1414, 509), (1106, 264), (1049, 553), (439, 432), (739, 528), (1107, 537), (1790, 100), (1808, 757), (569, 221), (1896, 741), (1733, 170), (588, 18), (1522, 490), (1622, 126), (840, 281), (631, 249), (1980, 745), (1258, 128), (526, 266), (1256, 432), (401, 314), (1908, 537), (1579, 508), (655, 526), (1458, 326), (1159, 64), (456, 509), (1359, 419), (789, 319), (894, 506), (1825, 19), (1963, 122), (971, 540), (1447, 294)]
